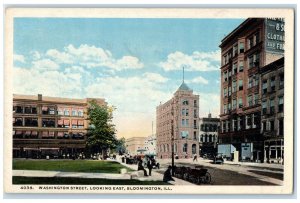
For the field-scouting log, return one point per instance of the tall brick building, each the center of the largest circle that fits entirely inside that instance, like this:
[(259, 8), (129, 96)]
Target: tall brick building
[(49, 126), (252, 45), (178, 117)]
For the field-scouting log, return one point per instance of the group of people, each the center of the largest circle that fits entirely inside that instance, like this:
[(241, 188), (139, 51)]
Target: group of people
[(150, 163)]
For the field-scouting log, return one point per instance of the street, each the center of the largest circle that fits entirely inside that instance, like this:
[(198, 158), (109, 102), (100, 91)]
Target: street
[(234, 174)]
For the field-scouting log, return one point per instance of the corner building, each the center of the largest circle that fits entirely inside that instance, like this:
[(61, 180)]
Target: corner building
[(49, 126), (178, 117), (252, 45)]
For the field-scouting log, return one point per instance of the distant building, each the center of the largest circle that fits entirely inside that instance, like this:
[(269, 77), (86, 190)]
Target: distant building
[(50, 126), (253, 44), (151, 145), (208, 134), (136, 145), (178, 117), (272, 99)]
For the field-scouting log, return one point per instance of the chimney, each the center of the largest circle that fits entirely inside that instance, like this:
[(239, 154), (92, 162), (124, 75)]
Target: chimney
[(40, 97)]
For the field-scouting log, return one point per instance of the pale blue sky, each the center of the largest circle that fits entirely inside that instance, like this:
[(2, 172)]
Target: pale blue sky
[(129, 62)]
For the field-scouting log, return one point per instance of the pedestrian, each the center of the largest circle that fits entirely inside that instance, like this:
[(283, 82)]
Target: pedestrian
[(149, 166), (141, 167), (195, 158), (167, 175)]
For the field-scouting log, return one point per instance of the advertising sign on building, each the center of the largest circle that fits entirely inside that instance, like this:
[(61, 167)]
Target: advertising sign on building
[(275, 35), (247, 151)]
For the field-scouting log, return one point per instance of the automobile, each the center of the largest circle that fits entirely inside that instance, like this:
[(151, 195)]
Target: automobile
[(219, 159)]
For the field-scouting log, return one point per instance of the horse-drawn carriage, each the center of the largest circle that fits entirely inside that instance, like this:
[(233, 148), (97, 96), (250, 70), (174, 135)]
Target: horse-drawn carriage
[(196, 175)]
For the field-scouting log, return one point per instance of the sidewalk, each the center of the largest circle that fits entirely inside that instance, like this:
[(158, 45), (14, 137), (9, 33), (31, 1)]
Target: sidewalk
[(155, 176)]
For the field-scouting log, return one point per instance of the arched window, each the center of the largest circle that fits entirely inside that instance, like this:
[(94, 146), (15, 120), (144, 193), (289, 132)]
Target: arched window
[(184, 149), (194, 149), (206, 138), (210, 138)]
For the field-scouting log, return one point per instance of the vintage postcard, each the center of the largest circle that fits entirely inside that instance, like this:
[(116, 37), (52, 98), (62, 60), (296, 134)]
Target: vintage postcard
[(149, 101)]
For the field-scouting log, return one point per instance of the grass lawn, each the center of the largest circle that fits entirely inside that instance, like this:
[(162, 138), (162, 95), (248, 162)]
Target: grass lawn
[(80, 181), (88, 166)]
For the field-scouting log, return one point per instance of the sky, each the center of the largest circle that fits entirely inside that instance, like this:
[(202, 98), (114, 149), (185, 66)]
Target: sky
[(134, 64)]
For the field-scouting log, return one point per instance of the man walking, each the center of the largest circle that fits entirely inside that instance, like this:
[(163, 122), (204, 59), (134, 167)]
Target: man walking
[(195, 158), (149, 166)]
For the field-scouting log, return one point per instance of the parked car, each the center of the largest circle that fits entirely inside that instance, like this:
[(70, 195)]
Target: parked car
[(219, 159)]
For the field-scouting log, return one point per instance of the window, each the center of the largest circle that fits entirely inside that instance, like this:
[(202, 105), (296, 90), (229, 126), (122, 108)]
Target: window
[(240, 84), (235, 50), (48, 122), (225, 76), (185, 122), (280, 104), (66, 112), (250, 82), (256, 99), (225, 92), (60, 111), (264, 126), (251, 42), (240, 123), (234, 125), (195, 113), (51, 110), (249, 100), (184, 134), (229, 74), (234, 104), (256, 59), (187, 112), (271, 125), (223, 126), (17, 121), (272, 106), (229, 106), (195, 124), (234, 69), (264, 107), (265, 87), (195, 135), (184, 149), (195, 103), (31, 122), (240, 103), (30, 110), (229, 91), (233, 86), (251, 61), (256, 80), (18, 109), (80, 113), (225, 109), (74, 112), (228, 126), (256, 120), (248, 121), (281, 81), (241, 66), (272, 83), (241, 47), (185, 102), (280, 126), (183, 112)]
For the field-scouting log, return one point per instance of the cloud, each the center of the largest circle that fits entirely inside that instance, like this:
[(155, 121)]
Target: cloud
[(198, 61), (155, 77), (19, 58), (45, 64), (93, 57), (208, 102), (198, 80)]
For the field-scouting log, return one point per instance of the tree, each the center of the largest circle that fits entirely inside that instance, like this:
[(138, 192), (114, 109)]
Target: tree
[(101, 133), (121, 148)]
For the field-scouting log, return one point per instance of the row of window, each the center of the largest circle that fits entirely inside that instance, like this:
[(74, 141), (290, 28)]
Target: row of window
[(48, 122), (209, 127), (270, 126), (268, 106), (271, 83), (241, 123), (185, 112), (167, 148), (46, 135), (208, 138), (239, 48), (233, 88), (48, 110), (252, 100), (185, 123)]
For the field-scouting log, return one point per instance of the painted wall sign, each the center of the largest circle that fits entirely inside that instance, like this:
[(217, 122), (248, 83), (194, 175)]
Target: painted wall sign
[(275, 35)]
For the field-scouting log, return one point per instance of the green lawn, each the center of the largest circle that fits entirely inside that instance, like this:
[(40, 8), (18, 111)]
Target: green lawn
[(79, 181), (88, 166)]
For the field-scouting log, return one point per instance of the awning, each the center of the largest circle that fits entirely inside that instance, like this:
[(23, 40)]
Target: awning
[(19, 132), (34, 133), (80, 122), (27, 132), (60, 122), (74, 122), (45, 108), (66, 122), (60, 134), (45, 133), (51, 134)]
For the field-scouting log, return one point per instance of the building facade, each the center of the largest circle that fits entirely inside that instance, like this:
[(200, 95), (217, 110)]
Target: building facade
[(208, 134), (252, 45), (272, 98), (151, 145), (177, 123), (136, 146), (49, 126)]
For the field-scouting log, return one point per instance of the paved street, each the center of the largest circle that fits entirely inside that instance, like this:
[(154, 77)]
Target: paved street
[(235, 174)]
